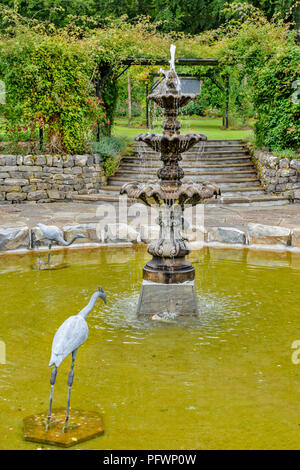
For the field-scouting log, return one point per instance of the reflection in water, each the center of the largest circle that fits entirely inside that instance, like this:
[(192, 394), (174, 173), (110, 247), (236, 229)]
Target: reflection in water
[(212, 381)]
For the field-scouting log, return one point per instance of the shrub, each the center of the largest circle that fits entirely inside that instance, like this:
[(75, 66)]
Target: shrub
[(48, 86), (286, 153), (109, 149), (266, 61), (194, 108), (278, 122)]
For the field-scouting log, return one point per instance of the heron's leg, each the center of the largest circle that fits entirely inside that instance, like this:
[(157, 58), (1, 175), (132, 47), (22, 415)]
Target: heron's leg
[(70, 383), (49, 252), (52, 383), (37, 244)]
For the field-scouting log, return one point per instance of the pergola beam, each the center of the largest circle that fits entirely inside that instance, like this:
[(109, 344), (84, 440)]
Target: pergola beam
[(179, 61)]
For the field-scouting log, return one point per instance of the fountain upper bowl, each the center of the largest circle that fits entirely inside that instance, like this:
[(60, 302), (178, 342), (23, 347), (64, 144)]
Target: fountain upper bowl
[(174, 144), (172, 100)]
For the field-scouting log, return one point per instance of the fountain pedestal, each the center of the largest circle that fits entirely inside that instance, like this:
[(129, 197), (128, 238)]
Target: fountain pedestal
[(168, 285), (159, 299)]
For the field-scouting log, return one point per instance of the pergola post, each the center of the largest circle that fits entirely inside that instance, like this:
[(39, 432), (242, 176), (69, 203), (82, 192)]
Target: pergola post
[(98, 96), (147, 106), (227, 101)]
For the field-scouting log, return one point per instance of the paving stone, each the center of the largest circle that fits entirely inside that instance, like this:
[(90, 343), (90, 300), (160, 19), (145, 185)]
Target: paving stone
[(226, 235), (149, 232), (297, 194), (68, 161), (81, 160), (295, 164), (13, 238), (29, 160), (36, 195), (10, 160), (16, 197), (259, 234), (16, 181), (118, 232), (54, 194), (89, 230), (284, 163), (296, 237), (40, 160), (196, 233)]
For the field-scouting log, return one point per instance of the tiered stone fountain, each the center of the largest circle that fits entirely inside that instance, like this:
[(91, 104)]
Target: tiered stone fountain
[(168, 284)]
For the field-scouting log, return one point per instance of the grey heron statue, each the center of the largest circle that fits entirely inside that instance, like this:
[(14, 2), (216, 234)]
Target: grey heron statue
[(53, 234), (69, 336)]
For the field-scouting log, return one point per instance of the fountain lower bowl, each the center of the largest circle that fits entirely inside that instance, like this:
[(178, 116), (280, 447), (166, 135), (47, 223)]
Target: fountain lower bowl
[(170, 192)]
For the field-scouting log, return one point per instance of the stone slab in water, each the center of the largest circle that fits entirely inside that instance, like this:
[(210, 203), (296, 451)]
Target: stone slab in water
[(83, 425), (158, 298), (47, 267)]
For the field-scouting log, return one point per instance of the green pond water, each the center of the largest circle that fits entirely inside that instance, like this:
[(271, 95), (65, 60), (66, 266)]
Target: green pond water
[(223, 381)]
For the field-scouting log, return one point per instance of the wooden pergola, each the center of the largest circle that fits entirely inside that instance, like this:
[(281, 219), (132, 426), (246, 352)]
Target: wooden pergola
[(127, 63)]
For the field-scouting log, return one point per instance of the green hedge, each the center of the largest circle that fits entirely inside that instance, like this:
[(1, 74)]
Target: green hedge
[(278, 121)]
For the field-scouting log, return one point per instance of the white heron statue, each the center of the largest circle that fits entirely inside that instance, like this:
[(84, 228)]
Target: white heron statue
[(69, 336), (53, 234)]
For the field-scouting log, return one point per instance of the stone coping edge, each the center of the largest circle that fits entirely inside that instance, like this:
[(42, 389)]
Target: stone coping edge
[(80, 247), (18, 239)]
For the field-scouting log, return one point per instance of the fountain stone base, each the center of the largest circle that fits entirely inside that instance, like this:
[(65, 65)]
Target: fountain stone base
[(158, 298)]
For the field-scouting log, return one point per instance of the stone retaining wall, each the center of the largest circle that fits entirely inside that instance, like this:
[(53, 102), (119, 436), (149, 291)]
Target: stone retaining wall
[(46, 178), (251, 235), (278, 175)]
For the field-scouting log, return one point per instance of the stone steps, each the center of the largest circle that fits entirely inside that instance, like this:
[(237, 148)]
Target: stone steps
[(222, 182), (189, 172), (113, 192), (190, 160), (225, 162), (227, 144), (262, 199), (116, 189), (197, 166), (197, 155)]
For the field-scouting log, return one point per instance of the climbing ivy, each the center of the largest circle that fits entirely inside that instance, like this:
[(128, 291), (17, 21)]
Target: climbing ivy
[(50, 77)]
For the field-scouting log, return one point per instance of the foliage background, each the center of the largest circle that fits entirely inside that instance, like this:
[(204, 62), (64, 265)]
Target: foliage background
[(51, 60)]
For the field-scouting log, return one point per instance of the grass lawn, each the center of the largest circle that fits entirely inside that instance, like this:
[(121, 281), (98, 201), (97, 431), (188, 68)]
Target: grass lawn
[(210, 127)]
